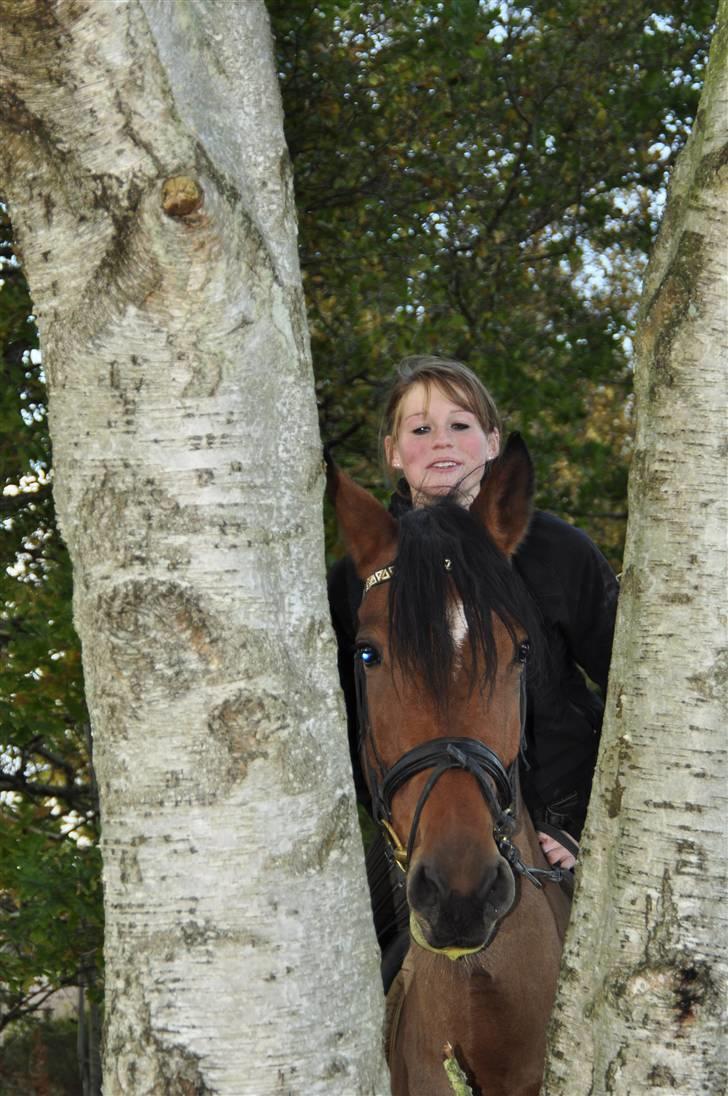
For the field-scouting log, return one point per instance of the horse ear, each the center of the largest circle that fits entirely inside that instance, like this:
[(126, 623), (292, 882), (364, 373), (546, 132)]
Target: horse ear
[(504, 502), (369, 531)]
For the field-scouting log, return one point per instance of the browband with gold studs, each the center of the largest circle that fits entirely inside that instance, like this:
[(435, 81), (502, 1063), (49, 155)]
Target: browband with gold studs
[(383, 575), (386, 573)]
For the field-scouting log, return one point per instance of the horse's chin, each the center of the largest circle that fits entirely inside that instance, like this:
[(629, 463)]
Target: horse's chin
[(455, 946)]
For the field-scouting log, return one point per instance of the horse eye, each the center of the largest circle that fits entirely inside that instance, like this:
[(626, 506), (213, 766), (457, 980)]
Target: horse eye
[(368, 655), (523, 651)]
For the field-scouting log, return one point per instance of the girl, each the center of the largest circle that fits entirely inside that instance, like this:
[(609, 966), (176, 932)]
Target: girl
[(441, 429)]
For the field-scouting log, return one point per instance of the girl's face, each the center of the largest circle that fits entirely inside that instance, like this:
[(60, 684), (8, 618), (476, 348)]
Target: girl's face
[(439, 445)]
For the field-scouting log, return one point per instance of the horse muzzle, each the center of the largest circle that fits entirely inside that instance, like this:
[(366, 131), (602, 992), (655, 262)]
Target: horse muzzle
[(455, 917)]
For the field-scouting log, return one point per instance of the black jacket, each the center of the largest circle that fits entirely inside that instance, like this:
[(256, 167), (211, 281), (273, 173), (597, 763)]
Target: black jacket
[(576, 592)]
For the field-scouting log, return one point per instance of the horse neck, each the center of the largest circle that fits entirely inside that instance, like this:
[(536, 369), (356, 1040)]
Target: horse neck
[(492, 1008)]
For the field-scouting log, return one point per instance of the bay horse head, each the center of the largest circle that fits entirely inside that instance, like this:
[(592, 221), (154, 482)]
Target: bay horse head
[(444, 631)]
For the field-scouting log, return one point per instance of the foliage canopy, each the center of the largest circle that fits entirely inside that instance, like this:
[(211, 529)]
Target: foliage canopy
[(483, 180)]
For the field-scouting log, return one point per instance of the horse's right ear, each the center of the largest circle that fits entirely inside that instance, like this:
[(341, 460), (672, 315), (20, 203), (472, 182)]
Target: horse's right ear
[(368, 530), (504, 502)]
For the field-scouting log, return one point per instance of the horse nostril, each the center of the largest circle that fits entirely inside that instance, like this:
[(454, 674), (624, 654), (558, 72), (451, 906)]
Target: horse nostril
[(426, 887), (497, 889), (494, 893)]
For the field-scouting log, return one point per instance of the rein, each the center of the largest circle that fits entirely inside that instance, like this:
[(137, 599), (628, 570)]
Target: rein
[(498, 784)]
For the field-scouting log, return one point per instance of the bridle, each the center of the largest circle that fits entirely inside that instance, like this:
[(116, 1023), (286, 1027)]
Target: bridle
[(498, 783)]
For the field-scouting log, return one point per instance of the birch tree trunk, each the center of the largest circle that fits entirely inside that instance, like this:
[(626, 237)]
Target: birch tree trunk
[(144, 162), (644, 989)]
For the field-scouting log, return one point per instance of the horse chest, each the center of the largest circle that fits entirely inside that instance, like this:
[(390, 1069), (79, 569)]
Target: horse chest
[(496, 1022)]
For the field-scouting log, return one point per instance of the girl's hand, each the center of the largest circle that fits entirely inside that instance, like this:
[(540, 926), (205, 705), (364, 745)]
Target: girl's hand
[(555, 853)]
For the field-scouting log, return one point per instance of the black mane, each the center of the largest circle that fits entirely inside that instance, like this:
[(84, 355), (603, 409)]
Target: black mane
[(421, 593)]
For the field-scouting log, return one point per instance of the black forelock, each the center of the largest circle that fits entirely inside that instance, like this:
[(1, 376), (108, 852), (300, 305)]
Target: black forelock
[(422, 589)]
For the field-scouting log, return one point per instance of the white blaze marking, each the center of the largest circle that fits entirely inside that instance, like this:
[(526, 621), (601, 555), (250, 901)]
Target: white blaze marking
[(458, 623)]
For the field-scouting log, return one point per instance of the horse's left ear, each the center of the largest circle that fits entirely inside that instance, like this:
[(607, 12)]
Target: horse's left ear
[(369, 531), (505, 498)]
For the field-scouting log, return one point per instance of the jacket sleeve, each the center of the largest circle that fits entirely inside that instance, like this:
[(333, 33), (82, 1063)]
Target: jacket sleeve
[(591, 591), (576, 592)]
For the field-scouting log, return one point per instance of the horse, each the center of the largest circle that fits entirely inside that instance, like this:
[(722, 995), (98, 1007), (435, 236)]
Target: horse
[(445, 630)]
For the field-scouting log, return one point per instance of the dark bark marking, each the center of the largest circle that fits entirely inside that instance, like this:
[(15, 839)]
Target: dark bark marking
[(691, 858), (135, 136), (129, 870), (19, 120), (243, 725), (177, 1070), (689, 994), (614, 1068), (614, 804), (676, 298), (678, 598), (616, 793), (160, 623), (138, 507), (688, 976), (181, 1074), (661, 1077), (338, 829), (670, 804), (258, 260), (710, 166), (712, 683)]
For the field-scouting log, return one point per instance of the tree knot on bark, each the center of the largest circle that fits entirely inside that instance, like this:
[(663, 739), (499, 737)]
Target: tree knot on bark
[(181, 196), (692, 986)]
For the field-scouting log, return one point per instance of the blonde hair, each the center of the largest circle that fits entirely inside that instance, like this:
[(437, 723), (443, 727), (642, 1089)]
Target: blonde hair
[(455, 380)]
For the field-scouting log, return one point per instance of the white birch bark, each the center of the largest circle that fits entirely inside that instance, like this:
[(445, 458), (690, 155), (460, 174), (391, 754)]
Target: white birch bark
[(144, 162), (644, 989)]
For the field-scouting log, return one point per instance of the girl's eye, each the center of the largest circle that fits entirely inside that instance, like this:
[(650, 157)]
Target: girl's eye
[(461, 426), (368, 655), (420, 430)]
